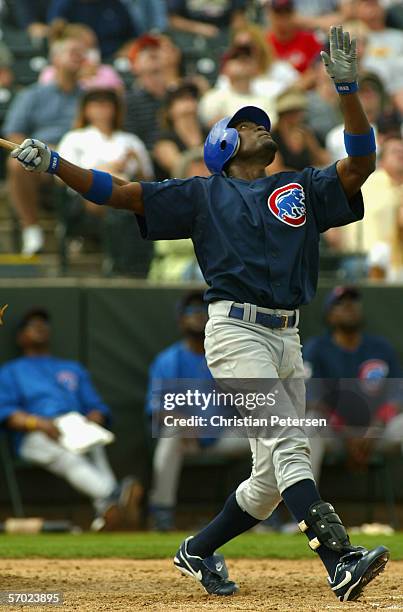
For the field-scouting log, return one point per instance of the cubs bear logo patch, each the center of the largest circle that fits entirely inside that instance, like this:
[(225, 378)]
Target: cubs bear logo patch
[(373, 369), (372, 374), (67, 379), (287, 203)]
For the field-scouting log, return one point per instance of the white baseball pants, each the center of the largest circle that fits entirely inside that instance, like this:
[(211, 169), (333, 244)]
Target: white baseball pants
[(90, 474), (246, 350)]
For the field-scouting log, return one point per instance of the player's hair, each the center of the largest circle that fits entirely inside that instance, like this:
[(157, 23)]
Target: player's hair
[(109, 95), (262, 50)]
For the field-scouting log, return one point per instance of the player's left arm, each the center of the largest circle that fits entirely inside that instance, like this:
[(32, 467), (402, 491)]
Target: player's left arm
[(354, 170), (359, 138)]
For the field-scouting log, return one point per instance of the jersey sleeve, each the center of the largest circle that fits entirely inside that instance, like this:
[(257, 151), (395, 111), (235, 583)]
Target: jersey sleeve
[(310, 356), (89, 398), (312, 371), (163, 367), (395, 386), (170, 208), (329, 202), (395, 369), (10, 400), (393, 396)]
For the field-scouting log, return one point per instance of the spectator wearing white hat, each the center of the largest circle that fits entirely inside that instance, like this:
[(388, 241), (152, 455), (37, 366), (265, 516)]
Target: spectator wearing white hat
[(240, 66)]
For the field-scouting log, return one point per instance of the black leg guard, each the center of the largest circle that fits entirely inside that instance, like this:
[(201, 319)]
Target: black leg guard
[(329, 529)]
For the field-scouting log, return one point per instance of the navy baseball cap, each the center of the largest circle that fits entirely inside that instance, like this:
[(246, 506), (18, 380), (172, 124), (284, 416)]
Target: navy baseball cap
[(339, 293), (33, 313), (251, 113)]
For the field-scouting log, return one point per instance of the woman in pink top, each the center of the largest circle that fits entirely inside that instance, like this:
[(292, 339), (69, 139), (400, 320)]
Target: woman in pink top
[(94, 74)]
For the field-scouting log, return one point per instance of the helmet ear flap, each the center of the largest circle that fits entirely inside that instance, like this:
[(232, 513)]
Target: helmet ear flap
[(221, 145), (233, 143), (229, 145)]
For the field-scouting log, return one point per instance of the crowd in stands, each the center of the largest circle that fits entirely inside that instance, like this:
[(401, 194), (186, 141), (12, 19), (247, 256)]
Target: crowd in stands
[(133, 86)]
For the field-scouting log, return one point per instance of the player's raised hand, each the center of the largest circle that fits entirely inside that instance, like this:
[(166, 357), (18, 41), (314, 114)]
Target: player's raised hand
[(33, 154), (341, 65)]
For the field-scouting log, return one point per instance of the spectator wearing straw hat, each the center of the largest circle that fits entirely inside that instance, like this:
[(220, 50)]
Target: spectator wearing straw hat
[(298, 147)]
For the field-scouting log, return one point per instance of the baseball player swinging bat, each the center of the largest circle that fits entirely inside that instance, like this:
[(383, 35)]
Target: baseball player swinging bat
[(256, 238)]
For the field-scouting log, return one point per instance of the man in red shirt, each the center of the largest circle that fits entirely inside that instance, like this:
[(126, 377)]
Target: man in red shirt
[(300, 48)]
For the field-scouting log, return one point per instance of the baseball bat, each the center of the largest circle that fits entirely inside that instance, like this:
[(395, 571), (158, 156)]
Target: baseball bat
[(2, 311), (6, 144)]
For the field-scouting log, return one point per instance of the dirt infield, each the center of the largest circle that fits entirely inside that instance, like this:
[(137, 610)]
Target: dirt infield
[(121, 584)]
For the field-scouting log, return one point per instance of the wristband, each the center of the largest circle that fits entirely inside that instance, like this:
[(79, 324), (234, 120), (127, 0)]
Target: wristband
[(53, 163), (101, 187), (346, 88), (360, 145), (31, 423)]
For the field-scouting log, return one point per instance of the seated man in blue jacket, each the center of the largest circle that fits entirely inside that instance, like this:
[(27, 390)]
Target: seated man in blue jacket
[(34, 390), (183, 360), (351, 382)]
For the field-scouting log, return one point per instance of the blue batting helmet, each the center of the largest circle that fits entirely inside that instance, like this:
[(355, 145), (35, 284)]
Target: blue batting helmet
[(222, 143)]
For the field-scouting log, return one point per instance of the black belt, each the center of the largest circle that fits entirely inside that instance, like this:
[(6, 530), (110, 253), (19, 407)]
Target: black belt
[(273, 321)]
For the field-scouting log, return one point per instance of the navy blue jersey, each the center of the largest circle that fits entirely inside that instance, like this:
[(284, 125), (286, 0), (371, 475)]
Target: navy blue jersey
[(255, 242), (374, 358), (352, 384)]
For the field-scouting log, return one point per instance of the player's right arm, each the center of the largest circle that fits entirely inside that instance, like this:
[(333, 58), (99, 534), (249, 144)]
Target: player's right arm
[(125, 195), (172, 207), (103, 188), (26, 422)]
